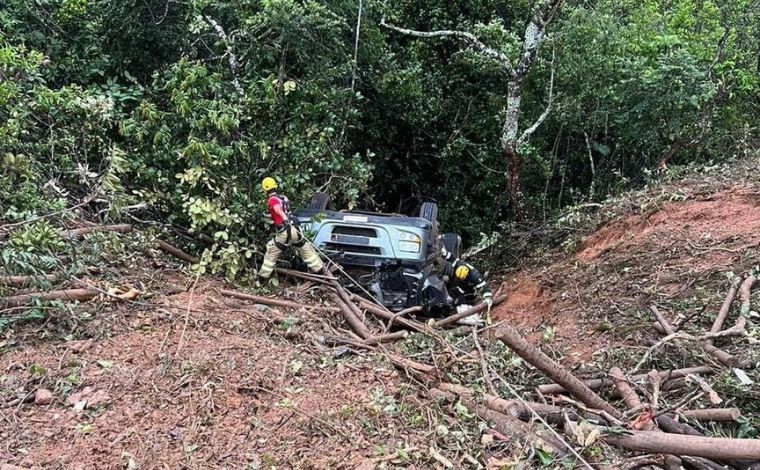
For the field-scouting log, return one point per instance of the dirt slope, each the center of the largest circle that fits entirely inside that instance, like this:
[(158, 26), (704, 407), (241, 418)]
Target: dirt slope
[(192, 380), (673, 253)]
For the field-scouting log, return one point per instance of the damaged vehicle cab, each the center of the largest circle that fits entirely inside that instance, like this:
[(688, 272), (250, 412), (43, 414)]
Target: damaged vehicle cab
[(394, 258)]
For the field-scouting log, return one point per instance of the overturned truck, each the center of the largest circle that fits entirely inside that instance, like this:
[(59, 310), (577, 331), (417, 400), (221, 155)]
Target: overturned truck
[(393, 258)]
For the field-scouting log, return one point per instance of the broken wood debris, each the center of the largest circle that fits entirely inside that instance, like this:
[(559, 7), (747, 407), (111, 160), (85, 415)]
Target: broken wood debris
[(81, 295)]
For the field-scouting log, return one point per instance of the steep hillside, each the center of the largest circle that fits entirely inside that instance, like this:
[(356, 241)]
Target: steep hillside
[(184, 377)]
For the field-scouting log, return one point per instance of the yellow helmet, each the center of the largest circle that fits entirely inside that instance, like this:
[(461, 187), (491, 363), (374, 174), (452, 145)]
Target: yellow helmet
[(268, 184), (461, 272)]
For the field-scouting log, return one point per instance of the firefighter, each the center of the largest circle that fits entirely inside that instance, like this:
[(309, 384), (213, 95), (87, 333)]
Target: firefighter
[(465, 285), (288, 233)]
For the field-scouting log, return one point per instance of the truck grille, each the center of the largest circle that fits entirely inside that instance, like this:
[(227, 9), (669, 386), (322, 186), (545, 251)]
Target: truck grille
[(365, 250), (356, 231)]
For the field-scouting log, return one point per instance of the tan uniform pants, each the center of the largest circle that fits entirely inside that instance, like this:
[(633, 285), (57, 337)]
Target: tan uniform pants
[(306, 251)]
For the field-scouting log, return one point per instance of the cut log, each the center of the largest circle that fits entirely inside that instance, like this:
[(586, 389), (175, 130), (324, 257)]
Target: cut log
[(389, 338), (668, 424), (522, 409), (559, 374), (176, 252), (596, 384), (474, 310), (78, 232), (745, 292), (726, 307), (401, 362), (509, 425), (275, 302), (624, 389), (388, 315), (713, 414), (715, 448), (349, 315), (358, 324), (698, 463), (22, 281), (666, 326), (720, 355), (81, 295), (307, 276)]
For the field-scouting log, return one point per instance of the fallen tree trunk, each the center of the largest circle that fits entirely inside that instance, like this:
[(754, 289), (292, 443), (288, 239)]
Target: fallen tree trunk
[(176, 252), (81, 295), (744, 293), (275, 302), (624, 389), (713, 414), (633, 402), (474, 310), (22, 281), (357, 320), (508, 425), (666, 326), (351, 318), (726, 307), (78, 232), (389, 338), (668, 424), (715, 448), (596, 384), (720, 355), (388, 315), (326, 280), (430, 372), (522, 409), (559, 374)]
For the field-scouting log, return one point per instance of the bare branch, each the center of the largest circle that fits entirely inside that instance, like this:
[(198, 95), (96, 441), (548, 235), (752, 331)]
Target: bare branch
[(231, 57), (529, 131), (534, 35), (463, 35)]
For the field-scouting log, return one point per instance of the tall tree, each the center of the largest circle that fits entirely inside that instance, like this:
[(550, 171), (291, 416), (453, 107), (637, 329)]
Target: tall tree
[(511, 140)]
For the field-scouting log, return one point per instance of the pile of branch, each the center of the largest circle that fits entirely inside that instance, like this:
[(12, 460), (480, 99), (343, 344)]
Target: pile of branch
[(645, 426), (706, 340), (370, 322)]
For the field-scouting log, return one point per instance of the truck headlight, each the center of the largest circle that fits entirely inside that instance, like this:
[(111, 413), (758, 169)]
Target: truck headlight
[(410, 247), (409, 242), (409, 237)]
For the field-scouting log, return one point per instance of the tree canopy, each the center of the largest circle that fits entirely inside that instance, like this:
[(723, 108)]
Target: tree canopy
[(174, 111)]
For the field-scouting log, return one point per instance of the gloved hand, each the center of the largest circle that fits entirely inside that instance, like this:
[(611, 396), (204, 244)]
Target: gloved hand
[(488, 300)]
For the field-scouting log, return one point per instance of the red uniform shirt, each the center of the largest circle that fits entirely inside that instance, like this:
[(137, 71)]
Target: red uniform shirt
[(273, 202)]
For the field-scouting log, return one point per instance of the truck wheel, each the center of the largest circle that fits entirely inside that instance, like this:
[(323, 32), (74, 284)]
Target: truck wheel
[(319, 201), (453, 244), (429, 212)]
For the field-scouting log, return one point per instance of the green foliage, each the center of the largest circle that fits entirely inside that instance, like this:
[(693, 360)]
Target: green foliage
[(40, 238), (184, 107)]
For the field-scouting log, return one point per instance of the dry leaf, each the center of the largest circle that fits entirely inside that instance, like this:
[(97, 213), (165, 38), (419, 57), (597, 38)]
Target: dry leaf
[(572, 428), (643, 421), (592, 437), (117, 293)]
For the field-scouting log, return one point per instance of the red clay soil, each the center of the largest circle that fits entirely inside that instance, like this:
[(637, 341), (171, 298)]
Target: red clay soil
[(729, 214), (630, 263), (214, 387)]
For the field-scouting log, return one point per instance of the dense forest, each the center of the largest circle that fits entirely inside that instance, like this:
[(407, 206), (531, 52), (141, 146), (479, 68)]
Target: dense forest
[(502, 112)]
